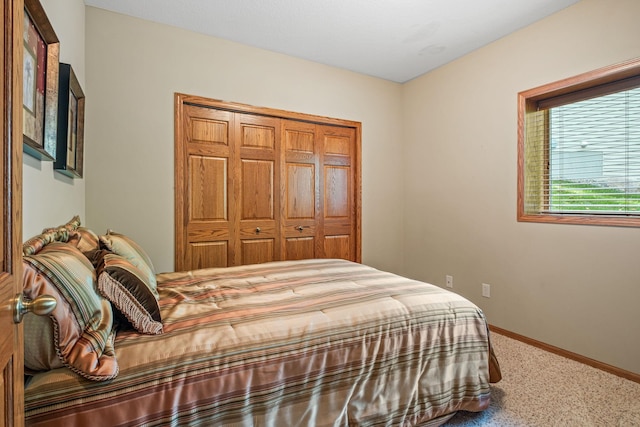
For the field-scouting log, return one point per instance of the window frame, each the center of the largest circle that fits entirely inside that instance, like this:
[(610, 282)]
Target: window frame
[(568, 90)]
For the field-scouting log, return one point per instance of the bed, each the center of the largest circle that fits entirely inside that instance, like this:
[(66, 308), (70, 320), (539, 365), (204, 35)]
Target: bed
[(318, 342)]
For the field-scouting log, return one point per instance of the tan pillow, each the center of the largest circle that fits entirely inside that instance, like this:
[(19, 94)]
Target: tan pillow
[(89, 240)]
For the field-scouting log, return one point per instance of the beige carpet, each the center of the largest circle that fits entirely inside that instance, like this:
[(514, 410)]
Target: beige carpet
[(542, 389)]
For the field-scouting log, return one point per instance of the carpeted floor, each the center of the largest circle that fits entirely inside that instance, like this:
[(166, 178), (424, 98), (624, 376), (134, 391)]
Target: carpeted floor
[(539, 388)]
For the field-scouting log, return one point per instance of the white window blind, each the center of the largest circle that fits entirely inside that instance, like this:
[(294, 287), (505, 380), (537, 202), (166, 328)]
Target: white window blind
[(583, 157)]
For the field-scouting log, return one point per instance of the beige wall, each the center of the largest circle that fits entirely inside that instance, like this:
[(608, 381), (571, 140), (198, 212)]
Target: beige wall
[(134, 67), (575, 287), (50, 198)]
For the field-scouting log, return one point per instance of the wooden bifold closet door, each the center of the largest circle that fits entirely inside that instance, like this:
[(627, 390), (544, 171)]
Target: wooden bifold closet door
[(255, 185)]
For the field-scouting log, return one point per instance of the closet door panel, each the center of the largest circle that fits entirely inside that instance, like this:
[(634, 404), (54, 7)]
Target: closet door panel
[(338, 192), (204, 195), (338, 247), (299, 248), (208, 231), (300, 193), (207, 128), (257, 133), (300, 139), (257, 215), (208, 188), (258, 141), (256, 251), (300, 190), (338, 142), (208, 254), (300, 218), (258, 192)]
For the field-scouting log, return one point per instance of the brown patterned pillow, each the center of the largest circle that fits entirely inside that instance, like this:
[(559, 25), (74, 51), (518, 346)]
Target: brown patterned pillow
[(128, 289), (129, 249), (82, 320)]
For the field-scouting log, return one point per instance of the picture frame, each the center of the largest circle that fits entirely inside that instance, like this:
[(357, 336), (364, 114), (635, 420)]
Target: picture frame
[(41, 52), (70, 136)]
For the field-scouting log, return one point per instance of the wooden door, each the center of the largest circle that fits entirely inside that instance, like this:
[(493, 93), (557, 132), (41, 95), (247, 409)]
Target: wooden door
[(227, 188), (338, 187), (301, 191), (11, 340), (319, 194), (204, 189), (256, 179)]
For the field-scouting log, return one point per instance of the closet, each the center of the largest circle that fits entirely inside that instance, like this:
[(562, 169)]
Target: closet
[(257, 184)]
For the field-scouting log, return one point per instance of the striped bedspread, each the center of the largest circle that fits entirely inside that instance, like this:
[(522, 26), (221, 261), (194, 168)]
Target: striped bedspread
[(292, 343)]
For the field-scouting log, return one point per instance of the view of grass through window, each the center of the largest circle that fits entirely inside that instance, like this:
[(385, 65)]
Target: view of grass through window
[(574, 196), (594, 156)]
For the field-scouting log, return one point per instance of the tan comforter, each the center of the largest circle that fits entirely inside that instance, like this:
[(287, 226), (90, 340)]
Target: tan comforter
[(314, 342)]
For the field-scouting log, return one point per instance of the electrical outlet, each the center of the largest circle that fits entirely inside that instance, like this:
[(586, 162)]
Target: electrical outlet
[(486, 290), (449, 281)]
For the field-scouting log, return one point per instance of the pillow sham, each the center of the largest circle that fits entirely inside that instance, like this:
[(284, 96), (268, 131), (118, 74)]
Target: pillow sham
[(36, 243), (62, 233), (127, 248), (82, 320), (85, 239), (89, 241), (70, 225), (127, 287), (39, 349)]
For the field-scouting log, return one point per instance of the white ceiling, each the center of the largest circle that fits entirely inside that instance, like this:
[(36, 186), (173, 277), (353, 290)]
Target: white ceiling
[(395, 40)]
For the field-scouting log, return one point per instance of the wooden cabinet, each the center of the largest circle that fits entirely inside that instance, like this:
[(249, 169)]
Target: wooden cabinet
[(256, 185)]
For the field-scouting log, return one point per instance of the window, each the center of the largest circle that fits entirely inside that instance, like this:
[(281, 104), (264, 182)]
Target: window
[(579, 149)]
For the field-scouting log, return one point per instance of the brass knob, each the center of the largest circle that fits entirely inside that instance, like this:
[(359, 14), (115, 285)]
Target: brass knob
[(299, 228), (257, 229), (41, 306)]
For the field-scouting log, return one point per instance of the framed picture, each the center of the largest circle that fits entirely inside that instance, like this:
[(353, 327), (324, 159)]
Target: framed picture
[(40, 83), (70, 140), (70, 135)]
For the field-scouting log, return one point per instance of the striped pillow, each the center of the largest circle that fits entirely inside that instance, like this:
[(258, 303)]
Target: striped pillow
[(89, 240), (125, 247), (134, 298), (62, 233), (82, 320), (36, 243), (71, 225)]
